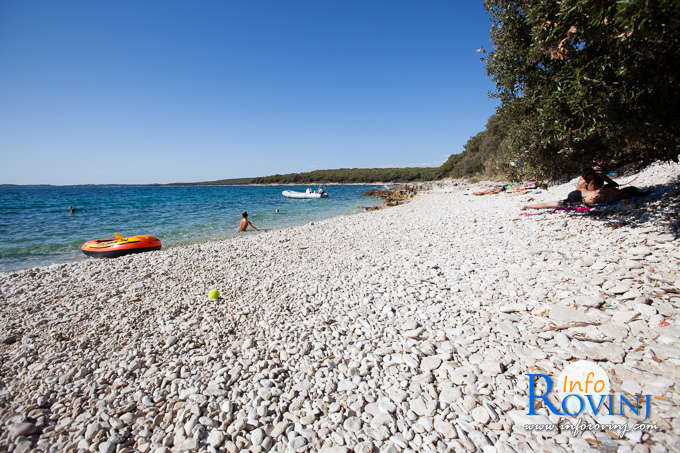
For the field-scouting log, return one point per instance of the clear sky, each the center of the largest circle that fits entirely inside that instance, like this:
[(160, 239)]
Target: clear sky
[(168, 91)]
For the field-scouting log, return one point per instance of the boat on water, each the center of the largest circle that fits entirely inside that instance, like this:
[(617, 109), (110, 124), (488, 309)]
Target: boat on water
[(119, 246), (309, 193)]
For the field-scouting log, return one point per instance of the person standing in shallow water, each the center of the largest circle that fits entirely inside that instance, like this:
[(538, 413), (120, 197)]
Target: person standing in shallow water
[(245, 223), (71, 209)]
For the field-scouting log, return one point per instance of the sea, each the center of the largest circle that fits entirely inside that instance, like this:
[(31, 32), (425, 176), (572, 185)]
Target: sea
[(37, 229)]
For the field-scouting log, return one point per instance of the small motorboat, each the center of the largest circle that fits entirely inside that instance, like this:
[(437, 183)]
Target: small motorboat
[(119, 246), (309, 193)]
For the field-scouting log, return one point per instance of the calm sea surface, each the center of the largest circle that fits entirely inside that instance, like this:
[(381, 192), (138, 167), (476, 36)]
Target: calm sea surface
[(36, 227)]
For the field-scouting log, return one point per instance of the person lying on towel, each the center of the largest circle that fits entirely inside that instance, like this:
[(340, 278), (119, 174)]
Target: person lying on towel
[(592, 188)]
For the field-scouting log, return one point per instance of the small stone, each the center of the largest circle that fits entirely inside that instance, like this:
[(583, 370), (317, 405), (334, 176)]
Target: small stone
[(23, 446), (171, 340), (345, 385), (659, 386), (10, 339), (568, 315), (214, 390), (639, 251), (43, 401), (624, 317), (396, 394), (207, 422), (116, 423), (189, 444), (430, 363), (589, 301), (257, 436), (450, 394), (619, 288), (364, 447), (92, 429), (415, 333), (587, 261), (21, 429), (307, 419), (599, 265), (215, 438), (230, 447), (409, 324), (227, 407), (663, 238), (352, 424), (278, 429), (299, 442), (107, 447), (597, 351), (389, 448), (386, 405), (247, 344), (665, 352), (420, 407), (631, 387), (491, 367), (128, 418), (381, 418), (512, 308), (480, 415), (445, 428), (630, 295)]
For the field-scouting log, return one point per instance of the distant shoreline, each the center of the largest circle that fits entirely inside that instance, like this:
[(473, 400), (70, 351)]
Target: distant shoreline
[(9, 186), (338, 176)]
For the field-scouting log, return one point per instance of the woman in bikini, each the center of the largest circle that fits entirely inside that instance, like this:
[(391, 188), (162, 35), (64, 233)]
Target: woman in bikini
[(592, 188)]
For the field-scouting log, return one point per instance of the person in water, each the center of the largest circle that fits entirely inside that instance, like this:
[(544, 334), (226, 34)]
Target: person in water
[(591, 188), (71, 209), (245, 223)]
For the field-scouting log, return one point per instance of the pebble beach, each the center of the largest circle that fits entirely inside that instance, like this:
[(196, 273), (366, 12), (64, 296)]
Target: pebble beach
[(409, 329)]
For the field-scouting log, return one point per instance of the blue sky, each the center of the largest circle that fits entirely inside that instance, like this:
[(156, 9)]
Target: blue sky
[(148, 92)]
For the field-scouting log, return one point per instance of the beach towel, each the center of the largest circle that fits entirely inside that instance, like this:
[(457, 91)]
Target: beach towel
[(493, 191)]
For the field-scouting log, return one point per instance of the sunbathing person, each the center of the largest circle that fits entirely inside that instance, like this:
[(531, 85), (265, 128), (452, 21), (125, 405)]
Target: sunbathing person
[(591, 188)]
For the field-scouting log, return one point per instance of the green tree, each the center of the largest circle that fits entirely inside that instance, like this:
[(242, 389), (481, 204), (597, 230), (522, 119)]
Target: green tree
[(482, 154), (583, 81)]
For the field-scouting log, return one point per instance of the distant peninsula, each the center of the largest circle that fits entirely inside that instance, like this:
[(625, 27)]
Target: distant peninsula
[(339, 176)]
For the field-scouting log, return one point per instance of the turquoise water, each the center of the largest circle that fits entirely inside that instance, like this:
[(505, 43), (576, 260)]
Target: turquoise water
[(36, 227)]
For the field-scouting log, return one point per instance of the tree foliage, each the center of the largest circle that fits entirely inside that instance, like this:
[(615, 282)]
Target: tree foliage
[(481, 154), (583, 81)]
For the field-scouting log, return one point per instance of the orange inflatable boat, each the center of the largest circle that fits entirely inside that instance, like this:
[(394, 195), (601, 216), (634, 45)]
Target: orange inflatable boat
[(119, 246)]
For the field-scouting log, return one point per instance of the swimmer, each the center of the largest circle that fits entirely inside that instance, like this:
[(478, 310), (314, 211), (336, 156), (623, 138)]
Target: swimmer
[(245, 223)]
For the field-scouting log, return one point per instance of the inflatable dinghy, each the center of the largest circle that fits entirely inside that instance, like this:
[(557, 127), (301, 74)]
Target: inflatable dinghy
[(119, 246)]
